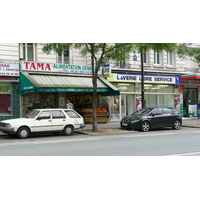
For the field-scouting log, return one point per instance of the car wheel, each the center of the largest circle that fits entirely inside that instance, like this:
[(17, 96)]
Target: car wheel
[(177, 124), (68, 130), (145, 126), (23, 132)]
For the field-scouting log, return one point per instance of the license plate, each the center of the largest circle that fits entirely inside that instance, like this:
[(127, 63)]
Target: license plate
[(124, 124)]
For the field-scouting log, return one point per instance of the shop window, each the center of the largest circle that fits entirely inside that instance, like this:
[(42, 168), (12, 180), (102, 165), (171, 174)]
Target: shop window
[(5, 98), (57, 114), (5, 103), (63, 57), (125, 87), (28, 51)]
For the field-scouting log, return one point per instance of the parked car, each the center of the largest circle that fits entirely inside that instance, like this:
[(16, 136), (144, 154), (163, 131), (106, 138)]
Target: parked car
[(43, 120), (157, 117)]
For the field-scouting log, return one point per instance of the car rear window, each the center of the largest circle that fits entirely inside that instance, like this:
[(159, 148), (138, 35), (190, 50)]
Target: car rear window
[(72, 114)]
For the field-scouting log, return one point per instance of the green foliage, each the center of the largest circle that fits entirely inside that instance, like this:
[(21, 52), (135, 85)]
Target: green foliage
[(187, 52), (156, 46), (103, 52)]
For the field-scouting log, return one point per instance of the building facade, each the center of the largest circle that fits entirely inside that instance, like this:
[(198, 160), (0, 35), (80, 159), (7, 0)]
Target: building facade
[(9, 81), (165, 84), (30, 79)]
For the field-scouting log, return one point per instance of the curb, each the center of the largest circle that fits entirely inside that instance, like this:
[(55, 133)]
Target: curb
[(96, 134), (192, 126)]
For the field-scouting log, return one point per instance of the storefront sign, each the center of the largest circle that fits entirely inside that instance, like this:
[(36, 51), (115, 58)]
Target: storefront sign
[(187, 82), (106, 70), (9, 69), (64, 68), (147, 78)]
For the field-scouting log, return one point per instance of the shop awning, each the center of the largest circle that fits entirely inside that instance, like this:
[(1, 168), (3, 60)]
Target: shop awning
[(190, 77), (36, 83)]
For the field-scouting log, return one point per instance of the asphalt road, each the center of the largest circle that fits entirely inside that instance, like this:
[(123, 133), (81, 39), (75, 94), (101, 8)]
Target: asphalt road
[(167, 142)]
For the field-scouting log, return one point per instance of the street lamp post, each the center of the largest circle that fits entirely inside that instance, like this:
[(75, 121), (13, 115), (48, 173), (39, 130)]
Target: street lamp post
[(142, 79)]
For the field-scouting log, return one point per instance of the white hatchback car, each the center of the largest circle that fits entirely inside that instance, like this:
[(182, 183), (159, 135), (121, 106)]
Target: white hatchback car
[(43, 120)]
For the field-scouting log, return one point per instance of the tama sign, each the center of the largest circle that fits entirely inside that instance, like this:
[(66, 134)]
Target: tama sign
[(147, 78), (57, 67)]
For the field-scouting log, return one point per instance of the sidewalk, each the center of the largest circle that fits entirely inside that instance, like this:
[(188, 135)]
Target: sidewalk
[(187, 122)]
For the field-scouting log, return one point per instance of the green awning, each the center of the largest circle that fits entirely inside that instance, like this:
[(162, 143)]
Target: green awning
[(35, 83)]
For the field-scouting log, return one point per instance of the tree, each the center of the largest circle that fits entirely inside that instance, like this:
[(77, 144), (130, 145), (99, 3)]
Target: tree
[(187, 51), (141, 47), (101, 54)]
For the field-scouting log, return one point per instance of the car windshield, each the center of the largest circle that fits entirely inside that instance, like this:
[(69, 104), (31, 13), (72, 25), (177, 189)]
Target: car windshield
[(143, 111), (32, 114)]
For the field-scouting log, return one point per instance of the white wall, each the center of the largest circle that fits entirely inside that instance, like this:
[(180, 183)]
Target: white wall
[(9, 52)]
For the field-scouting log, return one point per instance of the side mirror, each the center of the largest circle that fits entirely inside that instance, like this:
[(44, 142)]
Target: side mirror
[(152, 114)]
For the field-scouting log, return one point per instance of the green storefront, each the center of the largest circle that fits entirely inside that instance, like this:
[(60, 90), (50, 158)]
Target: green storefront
[(50, 90)]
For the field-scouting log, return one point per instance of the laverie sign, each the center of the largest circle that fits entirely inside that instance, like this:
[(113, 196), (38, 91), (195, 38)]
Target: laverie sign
[(147, 78), (57, 67)]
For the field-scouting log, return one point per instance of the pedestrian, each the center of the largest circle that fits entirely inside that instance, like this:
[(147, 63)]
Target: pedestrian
[(69, 105)]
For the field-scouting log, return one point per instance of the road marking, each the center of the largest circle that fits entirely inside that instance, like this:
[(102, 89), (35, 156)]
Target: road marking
[(184, 154), (159, 134), (74, 140)]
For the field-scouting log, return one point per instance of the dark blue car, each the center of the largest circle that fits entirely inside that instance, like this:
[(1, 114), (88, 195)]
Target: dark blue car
[(148, 118)]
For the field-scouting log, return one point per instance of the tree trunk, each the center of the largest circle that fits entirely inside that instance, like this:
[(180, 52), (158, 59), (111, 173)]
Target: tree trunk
[(94, 107), (94, 96)]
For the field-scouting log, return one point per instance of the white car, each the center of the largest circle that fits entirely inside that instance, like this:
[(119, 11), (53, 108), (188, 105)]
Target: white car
[(43, 120)]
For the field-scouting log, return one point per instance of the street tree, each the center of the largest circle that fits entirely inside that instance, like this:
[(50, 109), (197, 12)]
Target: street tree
[(141, 47), (100, 54), (103, 53), (187, 51)]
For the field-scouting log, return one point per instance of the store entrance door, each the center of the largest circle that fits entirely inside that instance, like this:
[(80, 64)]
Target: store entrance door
[(190, 102)]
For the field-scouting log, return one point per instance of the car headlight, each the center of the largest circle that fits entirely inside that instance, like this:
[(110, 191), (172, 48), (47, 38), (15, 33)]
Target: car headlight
[(8, 126)]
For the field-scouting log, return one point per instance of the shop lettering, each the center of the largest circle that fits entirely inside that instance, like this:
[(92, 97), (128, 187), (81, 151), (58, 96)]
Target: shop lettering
[(146, 78), (4, 65), (37, 66), (161, 79), (133, 78), (190, 82), (73, 67)]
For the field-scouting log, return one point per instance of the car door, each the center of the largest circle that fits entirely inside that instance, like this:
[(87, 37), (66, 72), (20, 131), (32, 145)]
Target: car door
[(42, 122), (58, 120), (157, 118), (168, 117)]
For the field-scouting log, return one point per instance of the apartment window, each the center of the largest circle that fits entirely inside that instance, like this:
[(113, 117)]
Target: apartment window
[(28, 51), (145, 57), (169, 58), (64, 57), (120, 64), (156, 58)]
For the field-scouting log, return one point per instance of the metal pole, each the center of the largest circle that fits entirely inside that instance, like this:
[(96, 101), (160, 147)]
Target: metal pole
[(142, 79)]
